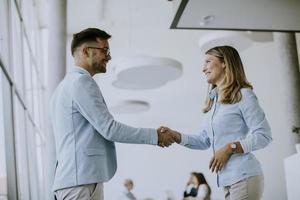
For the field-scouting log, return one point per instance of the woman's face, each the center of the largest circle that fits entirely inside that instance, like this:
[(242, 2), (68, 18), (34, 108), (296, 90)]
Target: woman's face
[(193, 180), (213, 69)]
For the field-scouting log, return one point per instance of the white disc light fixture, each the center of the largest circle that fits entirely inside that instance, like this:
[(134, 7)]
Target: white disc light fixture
[(239, 40), (130, 107), (145, 72)]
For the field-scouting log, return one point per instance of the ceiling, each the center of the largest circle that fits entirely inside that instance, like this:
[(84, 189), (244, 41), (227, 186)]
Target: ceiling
[(142, 27), (261, 15)]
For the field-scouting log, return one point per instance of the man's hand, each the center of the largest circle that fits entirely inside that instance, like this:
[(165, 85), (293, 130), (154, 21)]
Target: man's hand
[(220, 158), (167, 136)]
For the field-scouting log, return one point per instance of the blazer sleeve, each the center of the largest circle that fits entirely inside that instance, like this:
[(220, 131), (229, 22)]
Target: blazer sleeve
[(89, 100)]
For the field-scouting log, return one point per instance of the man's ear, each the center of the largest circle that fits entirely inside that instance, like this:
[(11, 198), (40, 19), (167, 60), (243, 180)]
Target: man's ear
[(85, 51)]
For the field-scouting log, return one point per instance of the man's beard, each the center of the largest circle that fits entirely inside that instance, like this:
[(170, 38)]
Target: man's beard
[(100, 67)]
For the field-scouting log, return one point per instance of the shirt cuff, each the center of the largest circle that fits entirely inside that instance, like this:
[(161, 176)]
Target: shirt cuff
[(184, 139), (153, 137), (245, 146)]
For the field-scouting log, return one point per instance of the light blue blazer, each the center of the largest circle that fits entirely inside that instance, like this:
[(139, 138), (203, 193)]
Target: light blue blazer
[(85, 132)]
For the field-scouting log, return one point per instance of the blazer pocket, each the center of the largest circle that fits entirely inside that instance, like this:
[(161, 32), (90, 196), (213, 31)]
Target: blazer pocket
[(93, 152)]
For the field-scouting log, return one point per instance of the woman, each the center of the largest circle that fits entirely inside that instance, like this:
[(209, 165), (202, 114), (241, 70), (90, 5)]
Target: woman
[(197, 188), (234, 126)]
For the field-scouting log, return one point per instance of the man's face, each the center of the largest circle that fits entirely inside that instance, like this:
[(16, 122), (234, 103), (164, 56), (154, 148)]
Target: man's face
[(99, 55)]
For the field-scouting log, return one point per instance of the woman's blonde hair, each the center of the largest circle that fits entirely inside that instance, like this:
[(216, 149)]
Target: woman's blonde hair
[(229, 91)]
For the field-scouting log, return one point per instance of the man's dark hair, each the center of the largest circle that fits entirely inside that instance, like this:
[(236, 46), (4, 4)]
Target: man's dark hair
[(87, 35)]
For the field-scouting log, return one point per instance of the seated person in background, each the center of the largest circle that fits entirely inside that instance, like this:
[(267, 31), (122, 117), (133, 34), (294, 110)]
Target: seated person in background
[(127, 194), (197, 188)]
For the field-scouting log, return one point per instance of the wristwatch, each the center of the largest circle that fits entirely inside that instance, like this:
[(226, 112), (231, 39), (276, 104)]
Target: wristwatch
[(233, 147)]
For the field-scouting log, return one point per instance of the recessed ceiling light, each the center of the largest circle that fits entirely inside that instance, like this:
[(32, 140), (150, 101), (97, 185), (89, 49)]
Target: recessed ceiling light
[(206, 20)]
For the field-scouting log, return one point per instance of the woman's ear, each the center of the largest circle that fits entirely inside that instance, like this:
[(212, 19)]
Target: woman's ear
[(223, 65)]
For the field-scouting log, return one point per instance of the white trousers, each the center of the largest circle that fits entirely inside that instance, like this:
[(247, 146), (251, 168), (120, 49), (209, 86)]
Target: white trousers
[(81, 192), (247, 189)]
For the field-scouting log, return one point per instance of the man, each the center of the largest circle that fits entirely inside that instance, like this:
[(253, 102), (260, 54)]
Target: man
[(84, 129), (127, 194)]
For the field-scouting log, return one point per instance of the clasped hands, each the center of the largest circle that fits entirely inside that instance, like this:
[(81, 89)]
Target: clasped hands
[(167, 136)]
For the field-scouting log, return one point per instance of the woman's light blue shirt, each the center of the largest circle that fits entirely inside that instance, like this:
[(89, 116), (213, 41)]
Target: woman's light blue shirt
[(245, 122)]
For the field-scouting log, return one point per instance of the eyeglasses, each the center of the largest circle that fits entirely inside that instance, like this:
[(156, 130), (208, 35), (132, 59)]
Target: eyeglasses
[(106, 51)]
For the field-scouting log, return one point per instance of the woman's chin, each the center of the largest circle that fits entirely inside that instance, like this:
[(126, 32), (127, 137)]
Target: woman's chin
[(209, 81)]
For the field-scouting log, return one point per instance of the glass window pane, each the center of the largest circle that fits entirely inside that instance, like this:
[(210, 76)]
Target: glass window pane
[(28, 78), (32, 160), (28, 13), (7, 122), (40, 144), (17, 62), (35, 90), (21, 149), (30, 22), (4, 39), (3, 173)]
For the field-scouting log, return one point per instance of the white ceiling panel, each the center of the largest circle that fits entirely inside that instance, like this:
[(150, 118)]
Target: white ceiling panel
[(261, 15)]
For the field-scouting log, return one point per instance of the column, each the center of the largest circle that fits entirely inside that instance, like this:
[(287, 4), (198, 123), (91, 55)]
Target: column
[(57, 35), (289, 70), (288, 57)]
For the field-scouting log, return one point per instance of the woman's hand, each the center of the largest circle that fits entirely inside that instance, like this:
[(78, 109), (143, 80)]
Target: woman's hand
[(220, 158)]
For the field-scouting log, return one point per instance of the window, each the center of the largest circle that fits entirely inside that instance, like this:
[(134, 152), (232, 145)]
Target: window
[(22, 108)]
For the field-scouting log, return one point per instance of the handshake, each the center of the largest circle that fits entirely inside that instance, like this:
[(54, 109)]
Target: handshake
[(167, 136)]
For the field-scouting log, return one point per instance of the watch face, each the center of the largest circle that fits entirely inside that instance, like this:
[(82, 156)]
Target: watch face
[(233, 146)]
